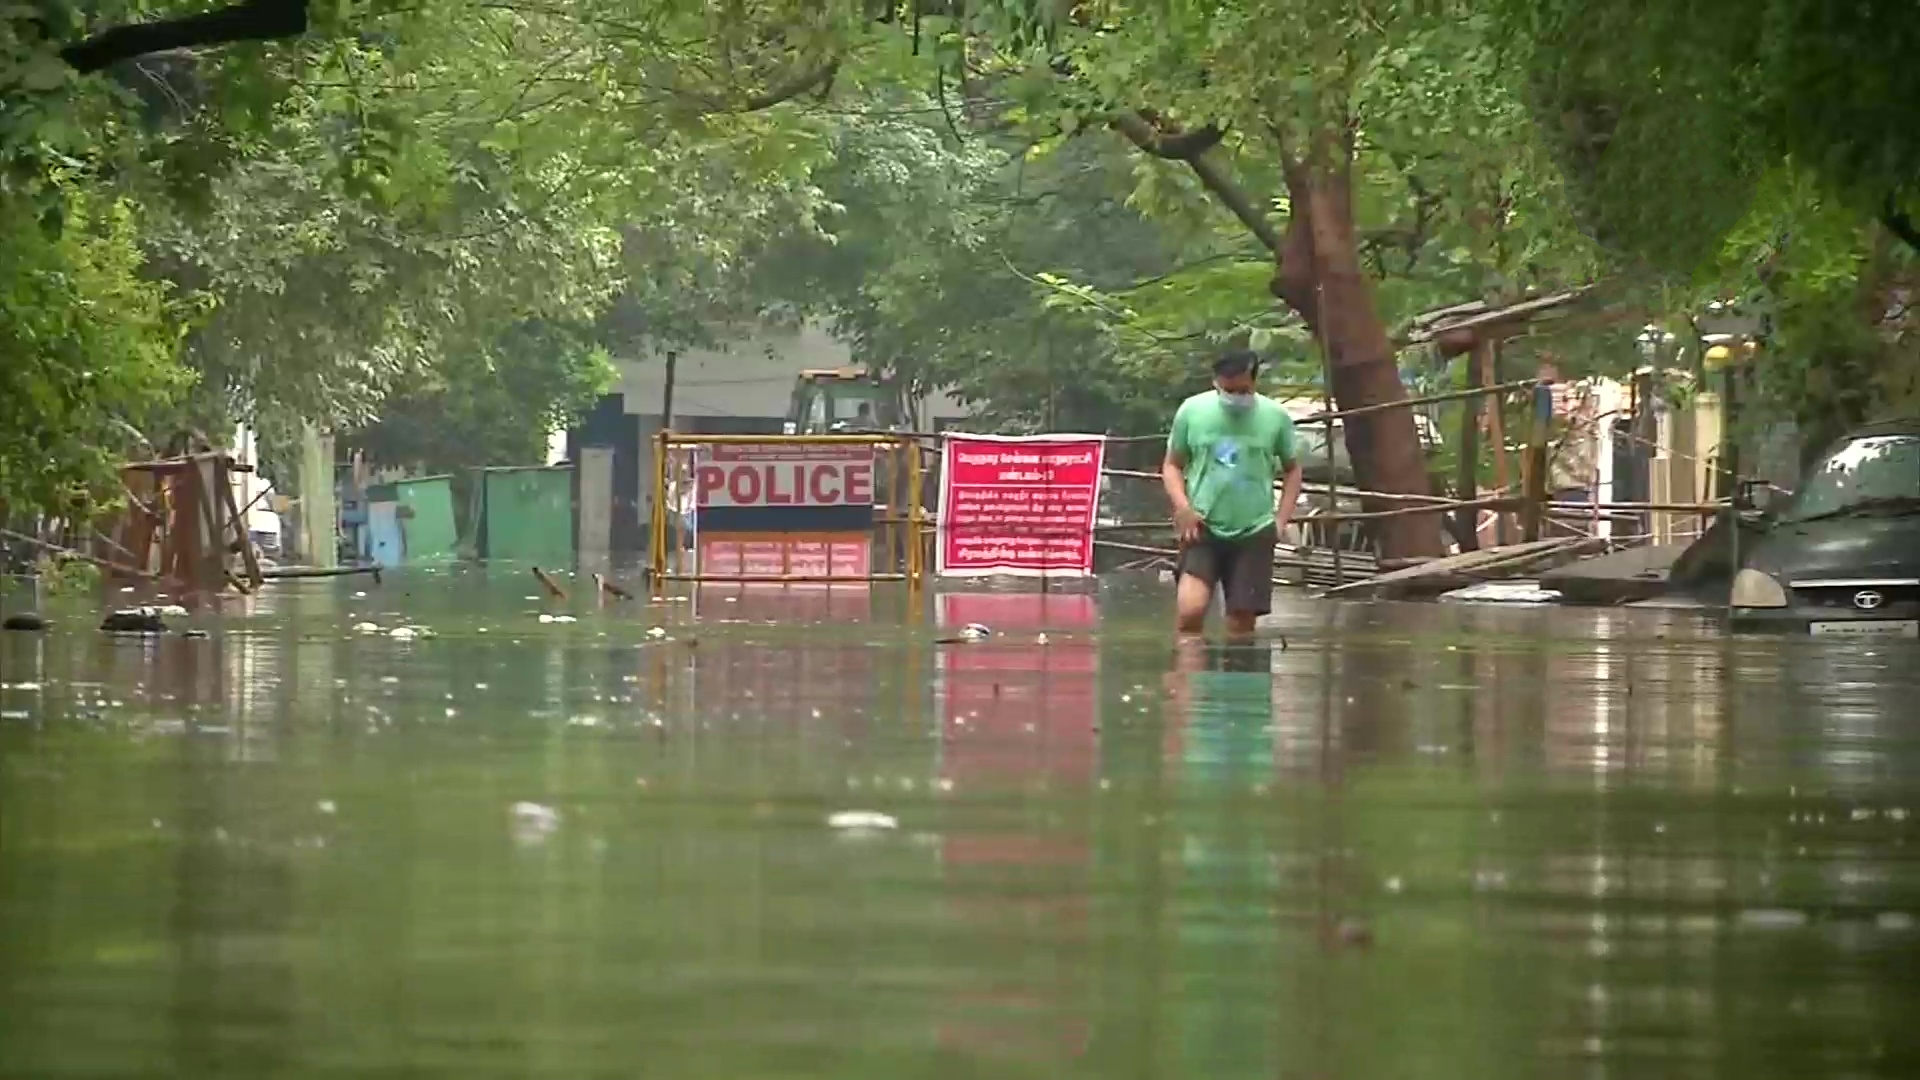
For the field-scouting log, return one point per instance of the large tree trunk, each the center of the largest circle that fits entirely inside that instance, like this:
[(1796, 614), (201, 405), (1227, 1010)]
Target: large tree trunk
[(1319, 275)]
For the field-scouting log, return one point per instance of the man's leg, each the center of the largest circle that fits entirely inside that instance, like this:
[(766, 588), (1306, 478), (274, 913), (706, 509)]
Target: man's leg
[(1199, 570), (1246, 581)]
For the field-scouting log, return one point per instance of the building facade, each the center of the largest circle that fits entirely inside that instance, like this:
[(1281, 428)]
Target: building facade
[(741, 388)]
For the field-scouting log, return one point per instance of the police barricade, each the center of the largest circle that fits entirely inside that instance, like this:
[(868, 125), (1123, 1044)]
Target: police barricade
[(786, 509)]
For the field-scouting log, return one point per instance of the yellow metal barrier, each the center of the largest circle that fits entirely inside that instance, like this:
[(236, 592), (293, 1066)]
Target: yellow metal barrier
[(892, 530)]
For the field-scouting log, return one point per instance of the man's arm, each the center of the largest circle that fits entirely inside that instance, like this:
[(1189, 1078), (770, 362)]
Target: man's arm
[(1289, 494), (1291, 478), (1173, 477)]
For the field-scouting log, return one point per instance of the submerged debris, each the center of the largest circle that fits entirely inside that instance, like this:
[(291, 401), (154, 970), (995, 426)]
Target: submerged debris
[(862, 821), (141, 620), (553, 587), (1773, 919), (25, 620), (533, 822), (609, 589)]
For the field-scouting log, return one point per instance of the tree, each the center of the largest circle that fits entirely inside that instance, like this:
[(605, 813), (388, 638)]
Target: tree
[(930, 263), (1313, 112), (492, 405), (1831, 292), (408, 183), (1758, 152), (1669, 117), (89, 352)]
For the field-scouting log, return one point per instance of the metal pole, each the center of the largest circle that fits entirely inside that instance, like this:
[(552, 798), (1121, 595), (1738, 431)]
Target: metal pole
[(657, 526), (666, 392), (663, 472), (914, 513)]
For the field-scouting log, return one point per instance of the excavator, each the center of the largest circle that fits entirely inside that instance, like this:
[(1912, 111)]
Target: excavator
[(851, 401), (833, 401)]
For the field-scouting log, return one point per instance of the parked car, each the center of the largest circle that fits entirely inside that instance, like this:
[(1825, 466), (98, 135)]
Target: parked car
[(1841, 556)]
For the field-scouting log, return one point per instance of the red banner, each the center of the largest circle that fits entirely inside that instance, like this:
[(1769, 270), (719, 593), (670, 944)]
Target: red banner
[(839, 555), (1020, 505)]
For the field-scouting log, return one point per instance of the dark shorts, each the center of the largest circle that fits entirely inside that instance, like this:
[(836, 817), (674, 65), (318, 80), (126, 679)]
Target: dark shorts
[(1243, 569)]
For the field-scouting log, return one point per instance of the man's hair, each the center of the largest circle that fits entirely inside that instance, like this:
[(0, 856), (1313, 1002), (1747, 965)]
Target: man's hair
[(1236, 362)]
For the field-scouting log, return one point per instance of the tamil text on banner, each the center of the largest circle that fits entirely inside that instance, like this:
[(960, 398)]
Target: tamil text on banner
[(784, 510), (809, 555), (1021, 505)]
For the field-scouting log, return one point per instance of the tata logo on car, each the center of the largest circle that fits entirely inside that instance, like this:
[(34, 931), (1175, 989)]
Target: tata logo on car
[(1868, 600)]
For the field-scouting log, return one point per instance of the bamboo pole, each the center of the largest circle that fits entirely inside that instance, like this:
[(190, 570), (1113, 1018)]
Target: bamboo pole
[(885, 438), (285, 573), (1330, 416), (1312, 489), (105, 564), (1504, 502), (1533, 503), (1467, 470), (1488, 359), (248, 557)]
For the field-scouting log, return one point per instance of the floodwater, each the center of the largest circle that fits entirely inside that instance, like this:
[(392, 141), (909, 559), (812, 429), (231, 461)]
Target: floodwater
[(1416, 841)]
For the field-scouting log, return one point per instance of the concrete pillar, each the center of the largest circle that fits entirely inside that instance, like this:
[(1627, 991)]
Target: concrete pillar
[(319, 516), (593, 468)]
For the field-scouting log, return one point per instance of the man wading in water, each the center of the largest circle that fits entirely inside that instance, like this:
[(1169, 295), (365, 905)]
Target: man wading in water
[(1227, 446)]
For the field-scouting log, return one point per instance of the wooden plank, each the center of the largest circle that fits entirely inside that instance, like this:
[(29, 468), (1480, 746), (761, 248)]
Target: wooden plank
[(211, 570), (1467, 562), (248, 556)]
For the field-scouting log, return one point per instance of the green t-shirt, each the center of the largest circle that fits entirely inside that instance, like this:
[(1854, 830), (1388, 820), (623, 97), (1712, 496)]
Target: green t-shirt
[(1231, 459)]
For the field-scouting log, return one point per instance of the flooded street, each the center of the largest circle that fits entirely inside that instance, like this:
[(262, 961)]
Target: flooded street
[(1413, 841)]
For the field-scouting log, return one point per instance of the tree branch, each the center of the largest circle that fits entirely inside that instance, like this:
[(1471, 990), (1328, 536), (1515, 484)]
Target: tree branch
[(1149, 133), (254, 20), (1191, 148), (792, 88)]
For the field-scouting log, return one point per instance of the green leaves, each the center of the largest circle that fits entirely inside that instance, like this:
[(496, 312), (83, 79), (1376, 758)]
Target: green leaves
[(42, 72), (89, 347)]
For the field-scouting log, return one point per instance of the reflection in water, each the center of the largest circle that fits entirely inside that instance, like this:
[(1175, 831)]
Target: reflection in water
[(1417, 841), (1020, 713)]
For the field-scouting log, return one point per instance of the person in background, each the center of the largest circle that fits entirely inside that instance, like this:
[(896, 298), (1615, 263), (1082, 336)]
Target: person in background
[(1227, 446), (1566, 412)]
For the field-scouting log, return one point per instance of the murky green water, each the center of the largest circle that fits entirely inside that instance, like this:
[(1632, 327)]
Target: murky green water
[(1417, 842)]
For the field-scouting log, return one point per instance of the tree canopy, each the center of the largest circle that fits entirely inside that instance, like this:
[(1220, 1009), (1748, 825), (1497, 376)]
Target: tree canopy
[(365, 214)]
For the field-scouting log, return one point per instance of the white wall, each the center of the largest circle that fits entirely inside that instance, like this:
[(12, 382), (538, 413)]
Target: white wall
[(752, 376)]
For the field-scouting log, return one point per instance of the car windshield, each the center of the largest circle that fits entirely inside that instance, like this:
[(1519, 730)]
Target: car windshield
[(1869, 472)]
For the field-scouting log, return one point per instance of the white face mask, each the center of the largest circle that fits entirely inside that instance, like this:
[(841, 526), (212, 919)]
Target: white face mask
[(1236, 402)]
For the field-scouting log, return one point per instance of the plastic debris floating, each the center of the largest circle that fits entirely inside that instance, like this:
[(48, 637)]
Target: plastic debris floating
[(862, 821)]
